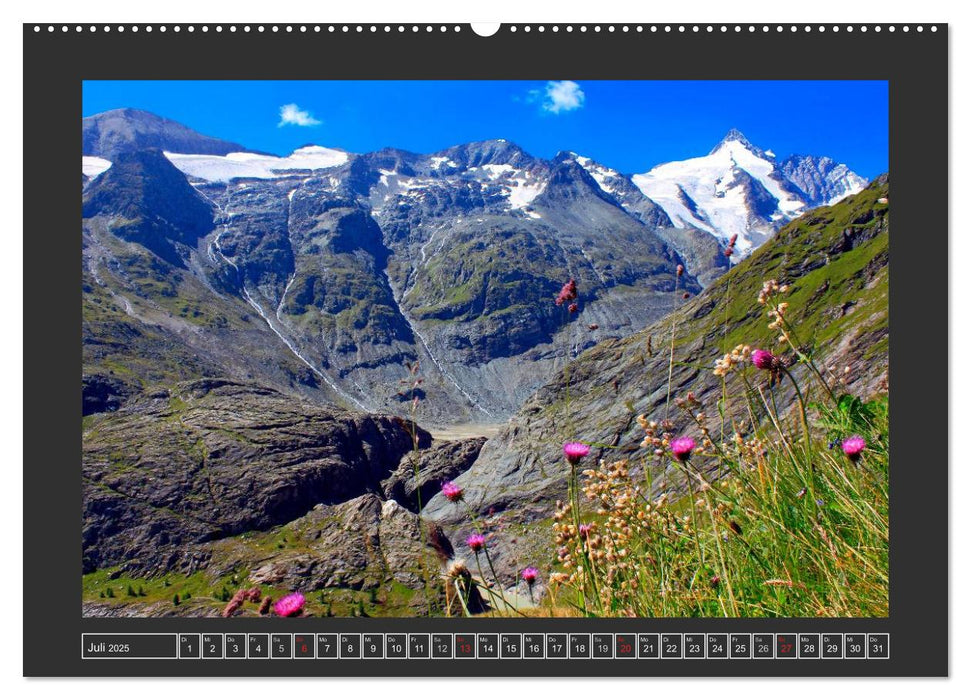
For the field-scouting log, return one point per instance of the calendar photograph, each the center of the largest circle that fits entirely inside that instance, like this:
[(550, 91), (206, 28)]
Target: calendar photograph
[(554, 348)]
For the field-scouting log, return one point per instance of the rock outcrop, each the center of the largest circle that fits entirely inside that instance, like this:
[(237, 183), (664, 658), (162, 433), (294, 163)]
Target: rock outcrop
[(359, 544), (440, 463), (213, 458)]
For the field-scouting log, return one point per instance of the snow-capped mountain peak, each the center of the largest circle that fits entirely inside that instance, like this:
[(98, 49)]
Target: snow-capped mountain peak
[(741, 190), (735, 140), (607, 179)]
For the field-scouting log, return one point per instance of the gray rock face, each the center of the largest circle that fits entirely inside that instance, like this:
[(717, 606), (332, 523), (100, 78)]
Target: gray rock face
[(822, 179), (118, 131), (440, 463), (213, 458), (102, 393), (620, 187), (357, 544), (151, 204), (701, 251)]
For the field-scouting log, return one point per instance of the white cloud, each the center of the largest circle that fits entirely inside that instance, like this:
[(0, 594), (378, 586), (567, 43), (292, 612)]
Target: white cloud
[(292, 114), (563, 96)]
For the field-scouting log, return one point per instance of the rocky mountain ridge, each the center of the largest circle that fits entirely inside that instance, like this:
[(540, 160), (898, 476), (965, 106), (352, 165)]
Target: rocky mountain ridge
[(385, 260), (358, 265)]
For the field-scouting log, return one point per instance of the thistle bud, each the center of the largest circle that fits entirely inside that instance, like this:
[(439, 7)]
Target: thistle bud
[(265, 605)]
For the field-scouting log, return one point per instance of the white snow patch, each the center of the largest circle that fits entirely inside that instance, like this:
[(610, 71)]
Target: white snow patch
[(710, 182), (497, 170), (92, 166), (438, 161), (521, 191), (850, 183), (598, 172), (233, 165)]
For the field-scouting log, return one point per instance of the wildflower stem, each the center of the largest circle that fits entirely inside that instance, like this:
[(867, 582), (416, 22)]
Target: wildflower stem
[(694, 516), (802, 408), (492, 569), (667, 403), (589, 574), (422, 536), (790, 335), (458, 591), (492, 597), (721, 556)]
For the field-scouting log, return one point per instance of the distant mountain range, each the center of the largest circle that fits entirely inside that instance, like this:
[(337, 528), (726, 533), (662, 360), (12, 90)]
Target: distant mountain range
[(329, 271), (232, 298)]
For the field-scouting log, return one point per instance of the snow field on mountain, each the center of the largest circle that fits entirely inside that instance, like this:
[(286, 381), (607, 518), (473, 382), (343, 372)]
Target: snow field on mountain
[(233, 165)]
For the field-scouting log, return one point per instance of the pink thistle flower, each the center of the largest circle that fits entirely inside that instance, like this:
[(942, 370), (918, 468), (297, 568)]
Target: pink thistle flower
[(451, 491), (763, 359), (682, 448), (585, 529), (475, 542), (567, 293), (290, 605), (575, 451), (853, 447), (529, 575)]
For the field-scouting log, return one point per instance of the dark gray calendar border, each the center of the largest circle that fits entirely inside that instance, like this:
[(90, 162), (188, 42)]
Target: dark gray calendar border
[(914, 62)]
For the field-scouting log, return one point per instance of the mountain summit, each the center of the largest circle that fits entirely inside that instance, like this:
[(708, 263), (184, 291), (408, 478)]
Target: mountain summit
[(117, 131), (736, 136), (741, 190)]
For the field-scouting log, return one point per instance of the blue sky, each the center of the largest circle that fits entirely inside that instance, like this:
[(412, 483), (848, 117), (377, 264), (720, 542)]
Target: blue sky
[(628, 125)]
